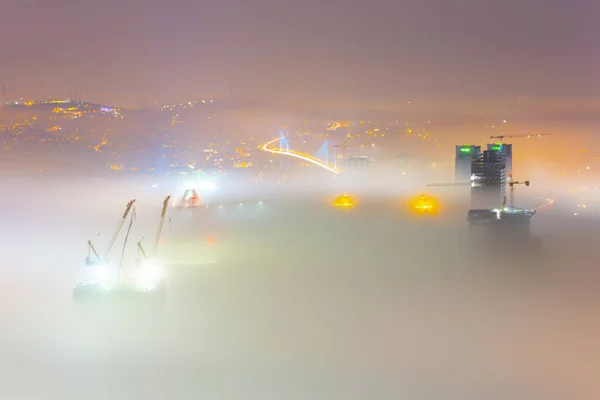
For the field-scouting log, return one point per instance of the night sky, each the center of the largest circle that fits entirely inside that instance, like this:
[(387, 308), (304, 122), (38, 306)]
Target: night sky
[(136, 52)]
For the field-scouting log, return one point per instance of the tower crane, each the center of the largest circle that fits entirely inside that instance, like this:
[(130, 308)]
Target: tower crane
[(449, 184), (174, 121), (511, 184), (518, 136)]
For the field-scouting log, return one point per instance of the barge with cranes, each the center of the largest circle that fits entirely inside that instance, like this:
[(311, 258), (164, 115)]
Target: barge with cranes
[(107, 281)]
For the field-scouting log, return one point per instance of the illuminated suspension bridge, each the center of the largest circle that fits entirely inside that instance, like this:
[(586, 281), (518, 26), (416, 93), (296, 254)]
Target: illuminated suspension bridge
[(320, 158)]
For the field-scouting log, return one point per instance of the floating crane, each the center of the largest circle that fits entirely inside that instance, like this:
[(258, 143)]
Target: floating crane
[(125, 245), (161, 224), (92, 250), (128, 209), (97, 259), (147, 282)]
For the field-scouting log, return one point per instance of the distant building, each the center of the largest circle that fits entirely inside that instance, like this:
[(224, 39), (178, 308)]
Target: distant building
[(406, 159), (488, 179), (462, 165), (506, 149), (359, 162)]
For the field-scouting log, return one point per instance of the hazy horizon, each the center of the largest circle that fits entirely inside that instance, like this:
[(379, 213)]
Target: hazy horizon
[(269, 51)]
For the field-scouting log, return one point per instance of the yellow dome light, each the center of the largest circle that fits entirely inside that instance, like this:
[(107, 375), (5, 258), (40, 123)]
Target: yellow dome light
[(424, 205), (344, 201)]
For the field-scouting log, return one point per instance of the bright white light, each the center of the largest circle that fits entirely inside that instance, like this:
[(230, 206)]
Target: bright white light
[(206, 186), (102, 273), (148, 275)]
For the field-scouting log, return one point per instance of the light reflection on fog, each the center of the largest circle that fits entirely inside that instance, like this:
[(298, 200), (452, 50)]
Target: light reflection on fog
[(298, 299)]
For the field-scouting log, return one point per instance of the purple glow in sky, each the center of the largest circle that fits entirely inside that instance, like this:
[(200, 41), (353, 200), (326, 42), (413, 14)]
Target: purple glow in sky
[(140, 51)]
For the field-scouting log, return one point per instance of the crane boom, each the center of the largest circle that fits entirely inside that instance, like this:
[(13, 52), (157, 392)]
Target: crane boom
[(125, 243), (160, 225), (92, 249), (517, 136), (141, 249), (449, 184), (119, 226)]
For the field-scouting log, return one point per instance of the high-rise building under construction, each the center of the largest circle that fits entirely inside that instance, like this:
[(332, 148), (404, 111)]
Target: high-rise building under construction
[(488, 179), (505, 149)]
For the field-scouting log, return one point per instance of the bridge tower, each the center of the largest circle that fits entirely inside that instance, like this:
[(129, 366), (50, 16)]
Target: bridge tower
[(323, 152), (283, 141), (284, 145)]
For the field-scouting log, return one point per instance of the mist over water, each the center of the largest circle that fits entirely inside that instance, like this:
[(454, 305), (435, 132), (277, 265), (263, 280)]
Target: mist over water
[(294, 298)]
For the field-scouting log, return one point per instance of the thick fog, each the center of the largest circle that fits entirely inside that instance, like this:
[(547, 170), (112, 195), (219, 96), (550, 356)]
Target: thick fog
[(274, 293)]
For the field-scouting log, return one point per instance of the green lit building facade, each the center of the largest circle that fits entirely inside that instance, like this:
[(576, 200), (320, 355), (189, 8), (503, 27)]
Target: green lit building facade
[(462, 165), (505, 149)]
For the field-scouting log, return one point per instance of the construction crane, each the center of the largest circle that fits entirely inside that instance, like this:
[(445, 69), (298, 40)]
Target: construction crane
[(511, 184), (145, 283), (161, 224), (518, 136), (132, 219), (141, 250), (97, 259), (174, 121), (128, 209), (92, 250)]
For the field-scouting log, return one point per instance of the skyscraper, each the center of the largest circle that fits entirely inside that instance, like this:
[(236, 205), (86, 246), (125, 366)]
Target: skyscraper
[(488, 178), (462, 165), (506, 149)]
